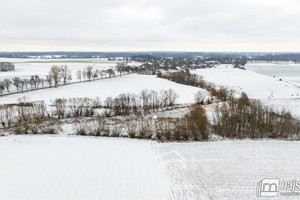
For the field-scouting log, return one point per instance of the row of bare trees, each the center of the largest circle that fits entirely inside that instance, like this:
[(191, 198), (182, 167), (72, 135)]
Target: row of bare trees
[(89, 73), (33, 82), (7, 66), (124, 104), (60, 75), (143, 103)]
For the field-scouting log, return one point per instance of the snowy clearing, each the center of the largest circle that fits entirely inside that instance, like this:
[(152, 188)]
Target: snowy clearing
[(109, 87), (79, 168), (227, 169)]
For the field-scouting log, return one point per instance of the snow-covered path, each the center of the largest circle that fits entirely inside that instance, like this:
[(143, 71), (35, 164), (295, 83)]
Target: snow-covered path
[(79, 168)]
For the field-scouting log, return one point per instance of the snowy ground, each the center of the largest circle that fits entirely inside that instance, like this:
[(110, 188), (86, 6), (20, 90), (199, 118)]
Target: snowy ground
[(88, 168), (279, 94), (109, 87), (227, 169), (79, 168)]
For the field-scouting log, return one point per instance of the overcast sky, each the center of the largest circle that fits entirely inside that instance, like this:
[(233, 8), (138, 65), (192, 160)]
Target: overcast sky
[(145, 25)]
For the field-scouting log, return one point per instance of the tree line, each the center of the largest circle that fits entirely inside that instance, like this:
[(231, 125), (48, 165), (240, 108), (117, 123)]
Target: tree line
[(236, 118), (61, 75), (6, 66), (186, 78), (27, 113)]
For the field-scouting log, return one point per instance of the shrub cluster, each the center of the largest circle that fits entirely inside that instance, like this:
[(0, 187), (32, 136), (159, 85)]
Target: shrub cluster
[(96, 127), (28, 118), (194, 126), (244, 118)]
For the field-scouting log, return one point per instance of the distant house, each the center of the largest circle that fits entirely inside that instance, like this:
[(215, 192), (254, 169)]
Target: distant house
[(6, 66)]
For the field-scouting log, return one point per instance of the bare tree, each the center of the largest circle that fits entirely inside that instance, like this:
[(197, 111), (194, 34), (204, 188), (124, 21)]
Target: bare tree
[(60, 105), (79, 75), (35, 81), (172, 97), (120, 67), (89, 72), (95, 75), (66, 73), (22, 85), (42, 80), (110, 72), (7, 84), (55, 74), (2, 87), (199, 98), (16, 82), (31, 82), (49, 80), (84, 74), (26, 83)]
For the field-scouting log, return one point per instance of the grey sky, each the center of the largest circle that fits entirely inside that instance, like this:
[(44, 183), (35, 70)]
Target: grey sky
[(131, 25)]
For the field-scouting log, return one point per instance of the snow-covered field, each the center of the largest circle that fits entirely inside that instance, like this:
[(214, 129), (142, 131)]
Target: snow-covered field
[(227, 169), (79, 168), (28, 67), (279, 94), (88, 168), (109, 87)]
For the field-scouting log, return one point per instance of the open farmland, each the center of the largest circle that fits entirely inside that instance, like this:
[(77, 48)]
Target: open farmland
[(227, 169), (79, 168), (88, 168)]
